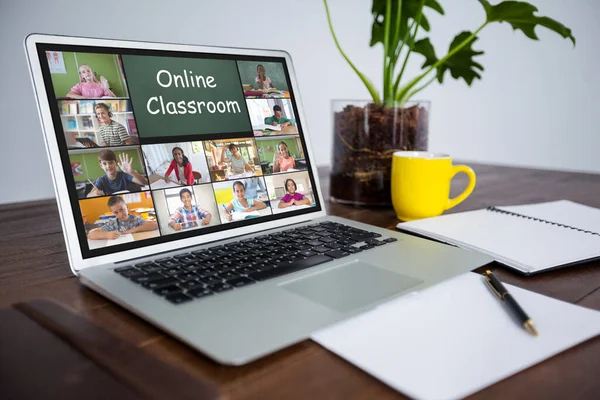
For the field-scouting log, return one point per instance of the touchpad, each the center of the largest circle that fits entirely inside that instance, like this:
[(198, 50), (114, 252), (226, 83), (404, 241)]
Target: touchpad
[(351, 286)]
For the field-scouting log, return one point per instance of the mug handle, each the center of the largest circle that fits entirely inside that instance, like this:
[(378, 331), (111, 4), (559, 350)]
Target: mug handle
[(459, 199)]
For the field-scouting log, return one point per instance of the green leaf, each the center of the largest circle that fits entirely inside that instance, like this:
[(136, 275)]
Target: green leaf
[(461, 64), (520, 16), (425, 48), (410, 10)]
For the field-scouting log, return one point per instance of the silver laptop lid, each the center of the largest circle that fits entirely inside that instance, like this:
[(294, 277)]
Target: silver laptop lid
[(155, 147)]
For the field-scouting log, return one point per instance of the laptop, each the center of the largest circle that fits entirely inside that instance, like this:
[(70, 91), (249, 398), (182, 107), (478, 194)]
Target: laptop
[(205, 225)]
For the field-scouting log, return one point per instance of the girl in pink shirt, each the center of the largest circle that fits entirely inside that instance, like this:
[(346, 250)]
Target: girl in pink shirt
[(292, 197), (89, 87), (282, 161), (182, 167), (263, 81)]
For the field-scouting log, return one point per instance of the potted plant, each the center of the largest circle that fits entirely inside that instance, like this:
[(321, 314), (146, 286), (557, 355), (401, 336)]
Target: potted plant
[(367, 133)]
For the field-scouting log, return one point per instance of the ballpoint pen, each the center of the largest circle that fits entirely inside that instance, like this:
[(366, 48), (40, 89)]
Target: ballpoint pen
[(499, 290)]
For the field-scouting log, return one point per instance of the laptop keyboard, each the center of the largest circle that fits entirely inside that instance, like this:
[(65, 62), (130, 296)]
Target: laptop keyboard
[(216, 269)]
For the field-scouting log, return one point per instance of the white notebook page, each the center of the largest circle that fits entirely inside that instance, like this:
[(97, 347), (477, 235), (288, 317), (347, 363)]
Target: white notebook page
[(563, 212), (519, 242)]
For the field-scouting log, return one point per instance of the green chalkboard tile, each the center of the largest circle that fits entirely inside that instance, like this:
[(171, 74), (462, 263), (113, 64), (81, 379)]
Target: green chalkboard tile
[(175, 96)]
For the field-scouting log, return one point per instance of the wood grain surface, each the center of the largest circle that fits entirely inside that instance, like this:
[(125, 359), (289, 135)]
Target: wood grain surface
[(33, 264)]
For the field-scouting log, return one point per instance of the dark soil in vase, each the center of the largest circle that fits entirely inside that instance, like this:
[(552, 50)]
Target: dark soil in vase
[(364, 140)]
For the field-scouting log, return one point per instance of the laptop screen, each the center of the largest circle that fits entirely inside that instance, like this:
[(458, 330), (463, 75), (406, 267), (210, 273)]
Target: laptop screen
[(157, 146)]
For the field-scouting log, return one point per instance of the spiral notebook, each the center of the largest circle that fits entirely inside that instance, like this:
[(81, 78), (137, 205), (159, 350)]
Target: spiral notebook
[(529, 238)]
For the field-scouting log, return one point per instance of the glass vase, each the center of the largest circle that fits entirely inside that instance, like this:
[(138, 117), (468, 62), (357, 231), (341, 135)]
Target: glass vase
[(366, 135)]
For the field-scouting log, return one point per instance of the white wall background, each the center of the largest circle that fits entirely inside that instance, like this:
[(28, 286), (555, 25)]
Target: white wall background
[(538, 103)]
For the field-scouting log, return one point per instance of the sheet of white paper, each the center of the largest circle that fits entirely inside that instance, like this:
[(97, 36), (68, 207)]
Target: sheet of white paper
[(237, 215), (246, 174), (162, 184), (125, 238), (456, 338), (265, 126), (277, 210)]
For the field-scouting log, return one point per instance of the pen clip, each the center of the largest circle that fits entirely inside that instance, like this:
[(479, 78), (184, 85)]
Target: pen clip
[(489, 284)]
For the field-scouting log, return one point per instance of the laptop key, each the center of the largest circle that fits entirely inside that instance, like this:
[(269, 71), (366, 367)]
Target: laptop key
[(288, 268), (199, 292), (140, 265), (191, 267), (204, 257), (186, 276), (361, 237), (130, 273), (390, 240), (351, 250), (167, 290), (155, 276), (211, 280), (228, 275), (125, 268), (169, 264), (188, 285), (220, 287), (239, 282), (321, 249), (204, 272), (263, 266), (186, 258), (160, 283), (307, 253), (245, 270), (171, 271), (312, 237), (151, 268), (337, 254), (367, 247), (328, 240), (178, 298), (301, 247)]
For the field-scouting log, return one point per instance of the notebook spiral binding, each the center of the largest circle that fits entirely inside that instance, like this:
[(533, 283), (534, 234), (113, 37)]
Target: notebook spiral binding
[(514, 214)]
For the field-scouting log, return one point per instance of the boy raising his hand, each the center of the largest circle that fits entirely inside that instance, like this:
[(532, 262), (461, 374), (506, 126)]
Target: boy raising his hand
[(115, 180)]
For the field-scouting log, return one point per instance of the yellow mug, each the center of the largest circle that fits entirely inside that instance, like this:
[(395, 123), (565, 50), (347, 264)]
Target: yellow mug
[(421, 184)]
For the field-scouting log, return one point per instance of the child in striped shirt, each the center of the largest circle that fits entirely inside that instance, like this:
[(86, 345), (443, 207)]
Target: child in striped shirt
[(111, 133)]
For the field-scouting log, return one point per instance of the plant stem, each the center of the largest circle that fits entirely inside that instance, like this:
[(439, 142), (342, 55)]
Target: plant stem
[(394, 57), (365, 80), (402, 95), (386, 49), (397, 34), (397, 56), (410, 47), (417, 90)]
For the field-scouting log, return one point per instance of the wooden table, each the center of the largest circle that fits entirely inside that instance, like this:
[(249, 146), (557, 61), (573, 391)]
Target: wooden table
[(33, 264)]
